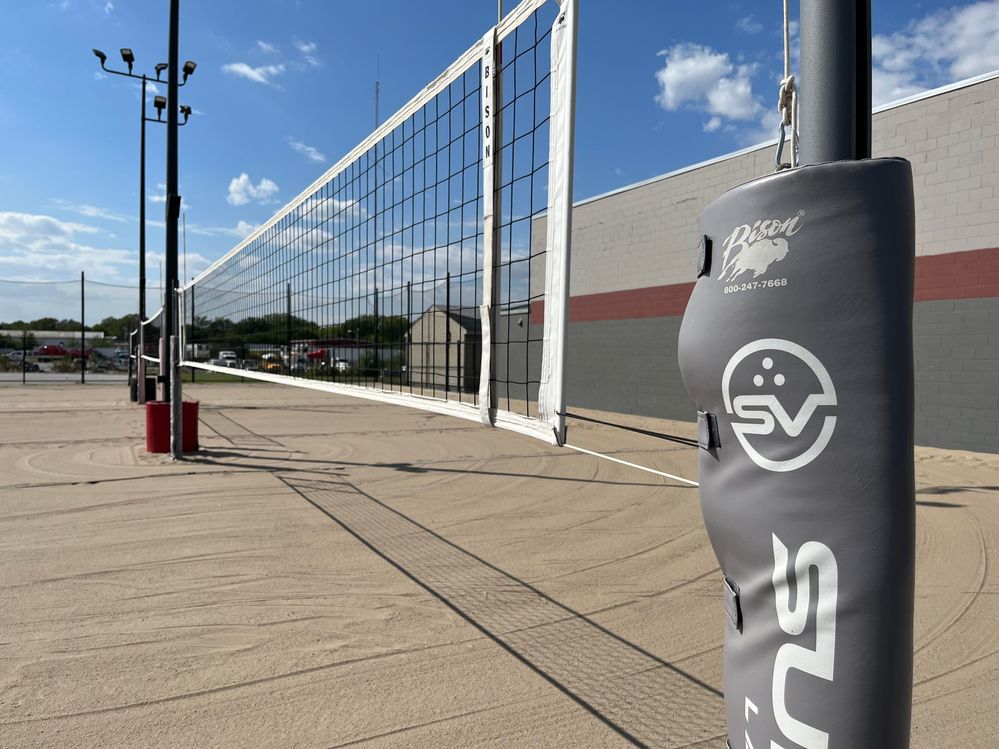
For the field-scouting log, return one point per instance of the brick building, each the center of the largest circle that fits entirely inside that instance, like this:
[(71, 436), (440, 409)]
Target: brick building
[(633, 258)]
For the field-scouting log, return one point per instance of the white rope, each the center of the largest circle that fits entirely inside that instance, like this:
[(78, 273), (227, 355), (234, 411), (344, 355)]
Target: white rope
[(787, 100), (632, 465)]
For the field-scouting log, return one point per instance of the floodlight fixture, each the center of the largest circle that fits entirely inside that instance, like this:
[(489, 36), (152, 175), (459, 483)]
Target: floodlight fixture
[(127, 57), (188, 69), (160, 103), (160, 67), (100, 56), (185, 110)]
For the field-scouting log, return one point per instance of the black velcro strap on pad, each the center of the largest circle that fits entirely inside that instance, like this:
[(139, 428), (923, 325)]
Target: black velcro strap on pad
[(704, 256), (731, 602), (707, 431)]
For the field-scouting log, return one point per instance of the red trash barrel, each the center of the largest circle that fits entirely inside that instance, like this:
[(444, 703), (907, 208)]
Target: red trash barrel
[(190, 416), (158, 426)]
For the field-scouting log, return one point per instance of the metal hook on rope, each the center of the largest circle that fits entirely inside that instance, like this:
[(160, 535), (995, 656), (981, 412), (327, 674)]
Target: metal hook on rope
[(787, 103)]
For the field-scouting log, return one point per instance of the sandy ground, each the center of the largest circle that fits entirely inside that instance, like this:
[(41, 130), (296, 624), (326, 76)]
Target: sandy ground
[(330, 572)]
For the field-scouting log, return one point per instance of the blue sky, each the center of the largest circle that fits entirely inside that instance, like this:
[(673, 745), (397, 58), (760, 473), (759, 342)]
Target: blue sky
[(283, 89)]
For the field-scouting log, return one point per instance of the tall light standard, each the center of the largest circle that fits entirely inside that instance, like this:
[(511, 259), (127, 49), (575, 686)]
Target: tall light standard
[(128, 58)]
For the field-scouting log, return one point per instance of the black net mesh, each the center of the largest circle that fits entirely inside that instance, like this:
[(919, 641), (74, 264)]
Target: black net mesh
[(375, 278)]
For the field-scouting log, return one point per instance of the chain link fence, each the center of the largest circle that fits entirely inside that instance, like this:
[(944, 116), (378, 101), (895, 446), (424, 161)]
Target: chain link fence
[(72, 331)]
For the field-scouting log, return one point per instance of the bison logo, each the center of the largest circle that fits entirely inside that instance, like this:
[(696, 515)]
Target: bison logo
[(755, 248)]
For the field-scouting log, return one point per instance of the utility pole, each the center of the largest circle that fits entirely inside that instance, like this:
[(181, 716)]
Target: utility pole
[(140, 364), (835, 80), (172, 197), (160, 102)]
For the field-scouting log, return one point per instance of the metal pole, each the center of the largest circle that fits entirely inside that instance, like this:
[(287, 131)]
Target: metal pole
[(83, 332), (172, 196), (184, 225), (176, 402), (835, 110), (131, 368), (194, 336), (24, 356), (142, 206), (140, 365), (377, 337)]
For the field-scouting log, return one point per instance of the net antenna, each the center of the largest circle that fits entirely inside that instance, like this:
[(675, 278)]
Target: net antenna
[(429, 266)]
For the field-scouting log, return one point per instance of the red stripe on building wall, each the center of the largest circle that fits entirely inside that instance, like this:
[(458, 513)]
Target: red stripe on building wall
[(652, 301), (955, 275)]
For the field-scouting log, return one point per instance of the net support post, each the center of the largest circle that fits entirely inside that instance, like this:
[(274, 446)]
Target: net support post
[(140, 365), (490, 81), (164, 366), (176, 405), (551, 395), (835, 80)]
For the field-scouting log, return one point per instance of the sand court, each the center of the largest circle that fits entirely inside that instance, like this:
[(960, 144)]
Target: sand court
[(331, 572)]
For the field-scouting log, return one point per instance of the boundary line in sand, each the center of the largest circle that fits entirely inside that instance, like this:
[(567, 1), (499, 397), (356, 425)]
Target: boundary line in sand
[(631, 465)]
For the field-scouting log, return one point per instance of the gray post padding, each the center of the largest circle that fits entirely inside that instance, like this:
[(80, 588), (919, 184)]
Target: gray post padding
[(796, 348)]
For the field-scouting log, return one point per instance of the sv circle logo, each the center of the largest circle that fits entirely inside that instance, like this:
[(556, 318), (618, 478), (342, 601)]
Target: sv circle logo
[(758, 412)]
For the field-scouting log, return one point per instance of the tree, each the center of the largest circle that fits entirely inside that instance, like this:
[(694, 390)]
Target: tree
[(118, 327)]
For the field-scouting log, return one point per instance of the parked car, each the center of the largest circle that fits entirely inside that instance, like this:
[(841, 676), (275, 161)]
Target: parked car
[(228, 359), (271, 363), (51, 349), (341, 365)]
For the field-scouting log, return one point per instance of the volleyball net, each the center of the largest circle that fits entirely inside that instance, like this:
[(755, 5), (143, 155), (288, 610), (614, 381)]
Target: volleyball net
[(429, 266)]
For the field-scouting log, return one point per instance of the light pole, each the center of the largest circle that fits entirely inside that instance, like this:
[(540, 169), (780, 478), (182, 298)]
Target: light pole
[(160, 102)]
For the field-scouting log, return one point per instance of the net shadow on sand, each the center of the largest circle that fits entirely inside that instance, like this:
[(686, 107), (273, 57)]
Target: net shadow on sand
[(645, 699)]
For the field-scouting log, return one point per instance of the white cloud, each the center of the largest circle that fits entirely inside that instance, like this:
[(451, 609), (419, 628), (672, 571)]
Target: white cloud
[(266, 47), (161, 196), (240, 230), (261, 74), (42, 248), (939, 48), (38, 247), (699, 78), (748, 25), (733, 97), (308, 50), (108, 7), (311, 153), (91, 211), (242, 190)]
